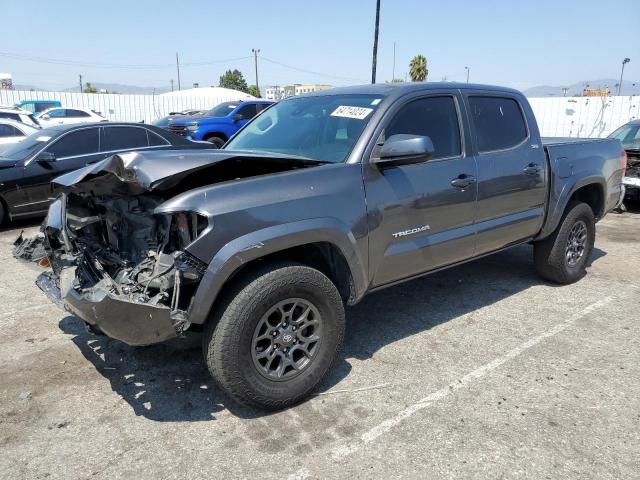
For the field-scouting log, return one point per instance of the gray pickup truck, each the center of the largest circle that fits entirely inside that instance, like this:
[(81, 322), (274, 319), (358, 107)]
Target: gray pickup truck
[(318, 201)]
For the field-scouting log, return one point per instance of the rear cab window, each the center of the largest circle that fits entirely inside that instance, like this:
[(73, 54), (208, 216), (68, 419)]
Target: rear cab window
[(498, 122)]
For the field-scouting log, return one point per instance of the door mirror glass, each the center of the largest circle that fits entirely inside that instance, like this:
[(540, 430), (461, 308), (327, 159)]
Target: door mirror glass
[(46, 157), (236, 117), (45, 117), (402, 149)]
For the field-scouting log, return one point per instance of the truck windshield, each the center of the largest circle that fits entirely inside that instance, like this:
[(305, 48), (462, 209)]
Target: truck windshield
[(222, 110), (319, 127), (629, 136)]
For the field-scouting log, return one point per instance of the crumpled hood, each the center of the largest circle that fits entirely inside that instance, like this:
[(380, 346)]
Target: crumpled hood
[(149, 169)]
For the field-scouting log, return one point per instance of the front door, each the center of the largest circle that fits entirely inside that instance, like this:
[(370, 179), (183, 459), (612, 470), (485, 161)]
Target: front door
[(421, 215)]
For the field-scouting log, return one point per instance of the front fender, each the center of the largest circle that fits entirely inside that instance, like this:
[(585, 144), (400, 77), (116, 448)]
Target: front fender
[(275, 239)]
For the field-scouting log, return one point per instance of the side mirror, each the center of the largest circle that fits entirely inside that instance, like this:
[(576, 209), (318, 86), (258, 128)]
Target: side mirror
[(45, 158), (45, 117), (403, 149), (236, 117)]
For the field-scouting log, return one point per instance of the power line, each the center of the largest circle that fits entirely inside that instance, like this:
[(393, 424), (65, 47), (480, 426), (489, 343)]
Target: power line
[(320, 74), (53, 61)]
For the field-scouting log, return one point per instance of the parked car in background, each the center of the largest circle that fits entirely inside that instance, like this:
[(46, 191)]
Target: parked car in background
[(220, 123), (320, 200), (68, 116), (13, 132), (19, 115), (629, 136), (189, 112), (27, 168), (164, 121), (38, 106)]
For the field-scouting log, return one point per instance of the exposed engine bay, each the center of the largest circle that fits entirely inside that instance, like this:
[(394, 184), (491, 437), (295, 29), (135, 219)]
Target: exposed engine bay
[(117, 246), (118, 261)]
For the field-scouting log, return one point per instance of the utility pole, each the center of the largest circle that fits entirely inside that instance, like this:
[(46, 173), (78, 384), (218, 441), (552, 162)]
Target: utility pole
[(255, 52), (375, 44), (467, 69), (178, 68), (171, 84), (564, 91), (80, 79), (624, 62), (393, 77)]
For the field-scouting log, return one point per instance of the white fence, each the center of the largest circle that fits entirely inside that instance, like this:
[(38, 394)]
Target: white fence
[(116, 107), (557, 117), (584, 116)]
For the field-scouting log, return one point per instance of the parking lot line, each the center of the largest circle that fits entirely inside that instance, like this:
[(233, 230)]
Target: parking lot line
[(385, 426)]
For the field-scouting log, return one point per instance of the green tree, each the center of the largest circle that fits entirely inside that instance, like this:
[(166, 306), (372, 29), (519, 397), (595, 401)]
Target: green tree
[(253, 90), (89, 89), (418, 69), (233, 79)]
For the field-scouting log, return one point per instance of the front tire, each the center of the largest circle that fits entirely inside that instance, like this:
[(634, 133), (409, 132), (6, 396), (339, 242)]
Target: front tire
[(562, 257), (218, 141), (276, 336)]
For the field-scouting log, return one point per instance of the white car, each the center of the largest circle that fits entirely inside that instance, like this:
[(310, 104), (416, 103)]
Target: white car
[(19, 115), (12, 132), (68, 116)]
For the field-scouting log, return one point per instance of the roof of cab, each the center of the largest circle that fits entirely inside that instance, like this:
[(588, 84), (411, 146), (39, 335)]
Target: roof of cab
[(399, 89)]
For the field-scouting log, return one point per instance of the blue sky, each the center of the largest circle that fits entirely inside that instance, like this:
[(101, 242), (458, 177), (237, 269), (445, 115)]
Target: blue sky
[(519, 44)]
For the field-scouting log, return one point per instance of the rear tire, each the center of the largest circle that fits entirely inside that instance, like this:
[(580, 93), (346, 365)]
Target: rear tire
[(276, 336), (218, 141), (562, 257), (2, 213)]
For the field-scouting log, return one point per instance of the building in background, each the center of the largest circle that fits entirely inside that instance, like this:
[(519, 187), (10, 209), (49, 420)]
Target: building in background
[(6, 81), (276, 92), (301, 89), (596, 92)]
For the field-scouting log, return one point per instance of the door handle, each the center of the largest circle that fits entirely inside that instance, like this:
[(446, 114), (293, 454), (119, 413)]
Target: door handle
[(463, 181), (531, 169)]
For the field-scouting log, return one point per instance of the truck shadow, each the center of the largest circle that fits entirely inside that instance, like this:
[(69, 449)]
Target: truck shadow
[(170, 383)]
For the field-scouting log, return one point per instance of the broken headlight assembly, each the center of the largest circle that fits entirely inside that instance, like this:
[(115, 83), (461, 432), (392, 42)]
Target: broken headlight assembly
[(121, 245)]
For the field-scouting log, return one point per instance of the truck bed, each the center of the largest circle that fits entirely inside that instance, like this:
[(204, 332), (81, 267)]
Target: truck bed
[(579, 159)]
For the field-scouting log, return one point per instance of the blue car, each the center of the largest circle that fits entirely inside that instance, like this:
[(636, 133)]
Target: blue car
[(220, 123), (38, 106)]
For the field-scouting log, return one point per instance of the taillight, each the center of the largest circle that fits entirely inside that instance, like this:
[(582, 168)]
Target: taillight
[(623, 161)]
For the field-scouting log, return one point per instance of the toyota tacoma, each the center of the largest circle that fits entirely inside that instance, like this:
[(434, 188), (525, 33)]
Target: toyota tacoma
[(315, 203)]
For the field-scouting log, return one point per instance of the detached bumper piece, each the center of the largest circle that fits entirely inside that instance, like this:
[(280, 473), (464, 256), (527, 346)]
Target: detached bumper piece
[(130, 322)]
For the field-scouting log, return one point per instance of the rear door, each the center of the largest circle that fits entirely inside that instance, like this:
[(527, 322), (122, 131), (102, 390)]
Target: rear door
[(72, 150), (73, 115), (121, 138), (421, 216), (511, 169), (247, 112)]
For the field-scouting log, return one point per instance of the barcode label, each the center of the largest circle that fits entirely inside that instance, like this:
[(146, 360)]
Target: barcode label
[(359, 113)]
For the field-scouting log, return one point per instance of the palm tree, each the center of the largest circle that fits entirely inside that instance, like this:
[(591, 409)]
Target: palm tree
[(418, 69)]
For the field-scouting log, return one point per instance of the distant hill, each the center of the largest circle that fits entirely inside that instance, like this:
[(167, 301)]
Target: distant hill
[(25, 87), (120, 88), (575, 89)]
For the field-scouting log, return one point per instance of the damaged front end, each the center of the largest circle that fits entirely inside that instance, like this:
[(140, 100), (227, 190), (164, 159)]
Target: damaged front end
[(121, 267), (118, 241)]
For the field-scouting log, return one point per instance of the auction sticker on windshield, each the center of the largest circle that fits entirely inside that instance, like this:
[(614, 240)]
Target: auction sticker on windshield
[(359, 113)]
